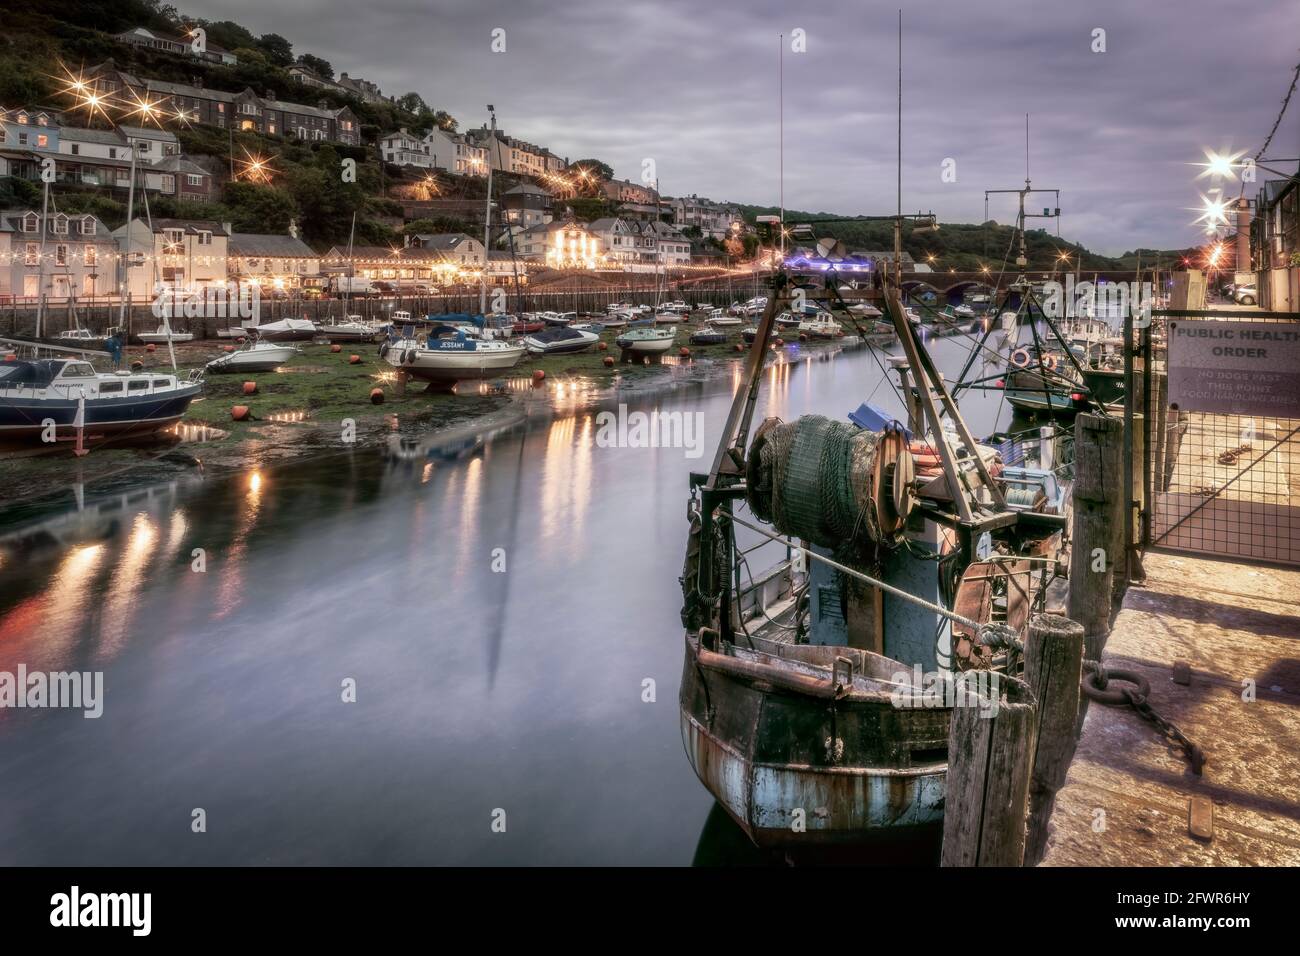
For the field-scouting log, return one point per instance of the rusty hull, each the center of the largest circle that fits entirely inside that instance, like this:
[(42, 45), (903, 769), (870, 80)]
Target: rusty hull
[(861, 769)]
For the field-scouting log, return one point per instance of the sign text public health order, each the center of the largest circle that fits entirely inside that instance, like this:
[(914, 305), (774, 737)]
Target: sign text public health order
[(1235, 368)]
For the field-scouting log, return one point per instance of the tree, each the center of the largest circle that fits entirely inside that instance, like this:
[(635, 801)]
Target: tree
[(318, 66), (229, 34), (277, 49), (260, 208), (412, 103)]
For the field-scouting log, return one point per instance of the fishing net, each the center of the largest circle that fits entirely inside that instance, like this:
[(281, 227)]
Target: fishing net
[(812, 479)]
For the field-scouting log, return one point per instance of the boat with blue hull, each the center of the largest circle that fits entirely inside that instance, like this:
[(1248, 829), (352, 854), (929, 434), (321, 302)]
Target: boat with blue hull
[(33, 393), (452, 353)]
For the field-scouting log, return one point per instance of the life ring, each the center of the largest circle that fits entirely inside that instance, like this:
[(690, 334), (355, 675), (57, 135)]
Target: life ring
[(410, 357), (1020, 358), (1049, 362), (383, 349)]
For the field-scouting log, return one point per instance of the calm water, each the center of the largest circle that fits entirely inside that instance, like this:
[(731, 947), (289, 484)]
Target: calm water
[(476, 690)]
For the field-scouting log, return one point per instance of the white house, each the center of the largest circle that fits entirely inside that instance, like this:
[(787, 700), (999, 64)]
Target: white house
[(185, 253)]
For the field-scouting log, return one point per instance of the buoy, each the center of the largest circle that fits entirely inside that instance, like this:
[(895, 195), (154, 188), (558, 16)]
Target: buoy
[(228, 348), (739, 347), (250, 388), (336, 347), (609, 360), (1020, 358), (538, 375), (1049, 362), (376, 396), (803, 337), (151, 347), (602, 346), (778, 342), (684, 352), (242, 338), (354, 359), (137, 366), (11, 357), (239, 412)]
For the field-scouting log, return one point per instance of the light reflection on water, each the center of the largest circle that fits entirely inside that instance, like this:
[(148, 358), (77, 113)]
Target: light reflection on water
[(476, 688)]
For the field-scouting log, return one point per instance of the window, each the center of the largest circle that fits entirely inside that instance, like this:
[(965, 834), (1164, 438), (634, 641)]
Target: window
[(169, 184), (107, 387), (42, 141), (76, 149), (31, 254), (173, 238), (87, 226), (61, 254), (194, 179), (205, 239), (22, 119), (60, 226), (22, 139), (137, 385), (78, 370), (270, 128), (91, 256), (31, 222)]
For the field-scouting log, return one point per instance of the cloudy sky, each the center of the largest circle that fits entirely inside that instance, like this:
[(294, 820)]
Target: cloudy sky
[(693, 86)]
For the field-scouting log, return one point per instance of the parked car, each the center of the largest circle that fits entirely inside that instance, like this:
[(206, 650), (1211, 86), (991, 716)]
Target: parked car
[(1245, 295), (385, 288), (311, 292)]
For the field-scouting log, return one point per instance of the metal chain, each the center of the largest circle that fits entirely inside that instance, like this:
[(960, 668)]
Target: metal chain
[(1096, 686)]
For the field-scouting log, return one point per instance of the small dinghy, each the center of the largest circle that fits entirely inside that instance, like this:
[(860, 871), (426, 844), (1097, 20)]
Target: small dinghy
[(560, 341)]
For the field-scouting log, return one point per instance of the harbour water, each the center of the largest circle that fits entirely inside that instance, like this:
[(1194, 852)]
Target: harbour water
[(500, 605)]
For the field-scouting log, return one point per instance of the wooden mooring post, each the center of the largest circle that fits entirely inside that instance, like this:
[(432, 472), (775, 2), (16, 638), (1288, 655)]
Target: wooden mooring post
[(1053, 669), (1097, 538), (990, 750)]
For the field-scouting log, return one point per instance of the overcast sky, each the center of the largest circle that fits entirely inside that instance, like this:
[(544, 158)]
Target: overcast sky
[(693, 85)]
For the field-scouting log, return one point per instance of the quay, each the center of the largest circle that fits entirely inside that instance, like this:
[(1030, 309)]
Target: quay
[(1126, 797)]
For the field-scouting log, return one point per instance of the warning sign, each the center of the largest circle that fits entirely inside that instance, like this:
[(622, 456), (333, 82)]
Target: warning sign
[(1235, 368)]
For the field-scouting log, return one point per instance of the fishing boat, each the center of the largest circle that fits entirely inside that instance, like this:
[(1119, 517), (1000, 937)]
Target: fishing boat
[(708, 335), (560, 341), (647, 340), (254, 356), (79, 336), (453, 353), (804, 704), (164, 334), (963, 310), (69, 393)]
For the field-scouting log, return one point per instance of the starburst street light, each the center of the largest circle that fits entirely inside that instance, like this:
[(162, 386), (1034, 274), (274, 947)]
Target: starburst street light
[(1219, 165), (1214, 212), (144, 110), (254, 168)]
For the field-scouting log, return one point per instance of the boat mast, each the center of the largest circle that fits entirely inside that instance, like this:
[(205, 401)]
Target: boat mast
[(487, 217), (40, 283), (347, 286)]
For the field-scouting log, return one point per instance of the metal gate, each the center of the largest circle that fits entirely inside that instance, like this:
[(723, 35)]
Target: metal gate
[(1218, 484)]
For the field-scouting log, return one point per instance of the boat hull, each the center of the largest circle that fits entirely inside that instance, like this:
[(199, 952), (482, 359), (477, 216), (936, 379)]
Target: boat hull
[(20, 418), (448, 366), (765, 752)]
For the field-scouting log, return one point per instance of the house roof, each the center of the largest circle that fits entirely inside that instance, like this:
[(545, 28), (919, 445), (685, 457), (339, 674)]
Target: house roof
[(9, 221), (191, 226), (526, 189), (441, 240), (267, 245), (179, 164), (109, 137)]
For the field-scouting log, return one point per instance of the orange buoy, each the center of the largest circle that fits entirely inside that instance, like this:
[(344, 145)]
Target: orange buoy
[(602, 346), (151, 347), (739, 347), (242, 338), (11, 357), (538, 375), (684, 352), (609, 360), (250, 388), (227, 348), (354, 359), (1020, 357), (336, 347), (778, 342), (376, 396), (239, 413)]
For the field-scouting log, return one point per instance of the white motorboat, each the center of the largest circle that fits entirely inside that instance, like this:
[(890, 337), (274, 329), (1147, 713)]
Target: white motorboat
[(256, 356), (163, 334), (820, 326), (865, 309), (79, 336), (616, 320), (453, 353), (963, 310), (647, 340), (721, 318), (560, 341), (667, 318)]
